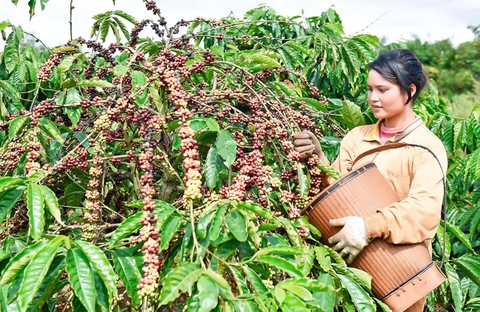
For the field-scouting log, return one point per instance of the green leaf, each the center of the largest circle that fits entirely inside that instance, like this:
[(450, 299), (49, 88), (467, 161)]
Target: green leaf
[(4, 255), (259, 210), (169, 229), (218, 279), (73, 114), (237, 225), (12, 307), (455, 286), (264, 59), (103, 301), (128, 272), (280, 86), (458, 233), (36, 271), (116, 32), (203, 223), (281, 264), (36, 209), (313, 103), (8, 89), (51, 202), (292, 232), (352, 114), (7, 183), (217, 50), (126, 16), (105, 27), (139, 80), (207, 294), (179, 280), (298, 291), (120, 70), (280, 250), (212, 124), (11, 54), (326, 299), (66, 63), (313, 285), (50, 129), (16, 125), (302, 180), (99, 262), (217, 222), (470, 266), (8, 199), (210, 170), (359, 296), (363, 277), (127, 228), (81, 278), (94, 83), (254, 280), (226, 147), (293, 303), (122, 27), (307, 261), (19, 262), (49, 283), (329, 170), (280, 294), (239, 280)]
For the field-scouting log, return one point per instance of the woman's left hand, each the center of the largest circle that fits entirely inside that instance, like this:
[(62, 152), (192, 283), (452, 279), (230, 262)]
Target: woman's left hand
[(351, 239)]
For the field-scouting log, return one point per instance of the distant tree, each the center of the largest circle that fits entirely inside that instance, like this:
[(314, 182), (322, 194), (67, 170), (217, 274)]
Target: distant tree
[(454, 69)]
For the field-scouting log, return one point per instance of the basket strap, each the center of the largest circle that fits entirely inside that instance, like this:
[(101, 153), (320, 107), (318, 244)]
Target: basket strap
[(379, 149)]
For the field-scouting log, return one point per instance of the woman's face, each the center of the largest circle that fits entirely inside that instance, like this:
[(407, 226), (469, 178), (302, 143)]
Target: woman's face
[(388, 101)]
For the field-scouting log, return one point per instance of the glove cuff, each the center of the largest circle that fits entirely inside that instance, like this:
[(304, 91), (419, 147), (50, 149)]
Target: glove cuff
[(376, 226)]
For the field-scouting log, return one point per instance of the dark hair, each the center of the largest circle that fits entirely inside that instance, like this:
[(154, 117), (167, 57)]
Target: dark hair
[(401, 67)]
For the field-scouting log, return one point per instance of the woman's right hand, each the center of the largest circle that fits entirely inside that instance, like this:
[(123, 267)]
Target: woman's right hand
[(305, 143)]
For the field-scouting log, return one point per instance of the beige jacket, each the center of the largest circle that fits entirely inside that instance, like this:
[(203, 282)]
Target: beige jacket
[(412, 172)]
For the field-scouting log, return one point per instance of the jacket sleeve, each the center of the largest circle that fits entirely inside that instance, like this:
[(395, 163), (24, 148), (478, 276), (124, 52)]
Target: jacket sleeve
[(415, 218)]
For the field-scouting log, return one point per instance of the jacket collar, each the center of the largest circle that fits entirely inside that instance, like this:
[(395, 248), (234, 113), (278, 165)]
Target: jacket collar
[(374, 133)]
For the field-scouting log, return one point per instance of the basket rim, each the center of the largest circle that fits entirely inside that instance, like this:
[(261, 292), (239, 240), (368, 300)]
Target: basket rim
[(333, 187)]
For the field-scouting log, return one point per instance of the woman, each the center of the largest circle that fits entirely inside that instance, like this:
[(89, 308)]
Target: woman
[(394, 82)]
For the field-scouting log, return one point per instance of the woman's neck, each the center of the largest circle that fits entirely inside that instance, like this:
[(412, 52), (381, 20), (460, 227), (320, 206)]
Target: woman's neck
[(400, 121)]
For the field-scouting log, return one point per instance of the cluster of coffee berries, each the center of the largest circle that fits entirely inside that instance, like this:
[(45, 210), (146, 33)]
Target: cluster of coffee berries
[(33, 153), (10, 157), (93, 207), (191, 163), (303, 231), (287, 197), (76, 159), (148, 233), (237, 189), (315, 174), (14, 224), (53, 60), (102, 123), (292, 154), (42, 109)]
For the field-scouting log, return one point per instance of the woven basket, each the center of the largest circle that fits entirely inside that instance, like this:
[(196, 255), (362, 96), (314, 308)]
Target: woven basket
[(401, 274)]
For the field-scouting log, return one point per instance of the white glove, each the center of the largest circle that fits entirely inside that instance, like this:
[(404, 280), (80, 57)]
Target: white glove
[(351, 239)]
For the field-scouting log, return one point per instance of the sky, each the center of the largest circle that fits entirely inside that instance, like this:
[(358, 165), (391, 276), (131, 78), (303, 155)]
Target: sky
[(430, 20)]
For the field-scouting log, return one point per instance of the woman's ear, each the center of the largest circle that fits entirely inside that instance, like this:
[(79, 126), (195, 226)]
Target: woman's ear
[(413, 89)]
